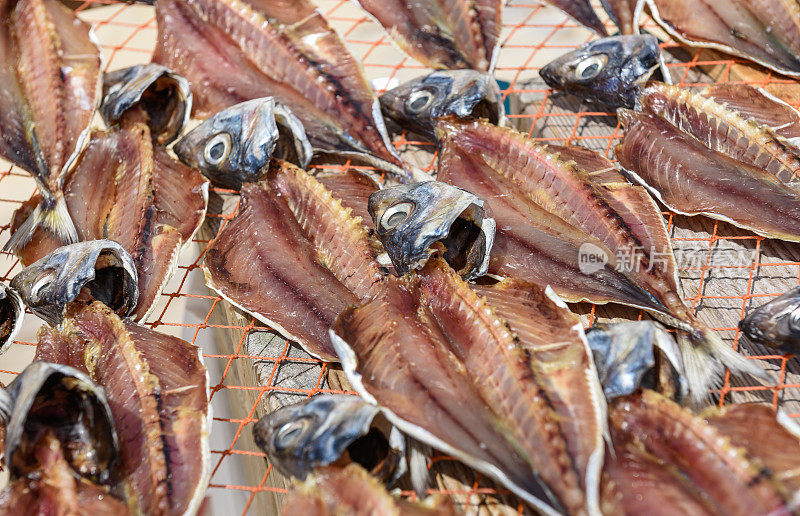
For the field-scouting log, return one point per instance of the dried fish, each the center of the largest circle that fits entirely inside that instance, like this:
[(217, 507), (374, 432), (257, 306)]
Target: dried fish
[(294, 257), (49, 88), (583, 12), (410, 219), (567, 218), (12, 312), (157, 389), (126, 189), (416, 104), (95, 270), (625, 13), (282, 49), (60, 444), (675, 462), (610, 70), (153, 93), (328, 429), (523, 410), (764, 31), (701, 154), (235, 145), (353, 189), (776, 323), (443, 34)]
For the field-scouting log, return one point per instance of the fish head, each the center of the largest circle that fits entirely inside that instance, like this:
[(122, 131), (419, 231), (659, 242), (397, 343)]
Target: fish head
[(102, 270), (608, 70), (776, 323), (417, 104), (49, 400), (331, 429), (164, 96), (410, 219), (236, 144), (12, 312)]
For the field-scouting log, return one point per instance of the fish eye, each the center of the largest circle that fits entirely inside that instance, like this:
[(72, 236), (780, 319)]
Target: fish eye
[(794, 319), (217, 149), (590, 67), (396, 215), (41, 283), (290, 433), (418, 101)]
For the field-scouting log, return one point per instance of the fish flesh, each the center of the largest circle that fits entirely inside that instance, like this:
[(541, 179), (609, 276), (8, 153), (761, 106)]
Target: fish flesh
[(610, 70), (353, 189), (352, 490), (411, 219), (126, 189), (285, 50), (673, 462), (625, 14), (85, 271), (61, 445), (49, 89), (514, 397), (157, 389), (776, 323), (294, 257), (764, 31), (236, 145), (150, 93), (443, 34), (12, 313), (331, 429), (567, 218), (416, 104), (701, 154)]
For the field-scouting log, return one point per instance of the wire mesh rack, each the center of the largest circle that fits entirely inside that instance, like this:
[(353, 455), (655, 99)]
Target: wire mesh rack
[(724, 270)]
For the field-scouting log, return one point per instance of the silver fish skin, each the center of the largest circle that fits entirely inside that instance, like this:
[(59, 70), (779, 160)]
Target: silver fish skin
[(608, 70), (409, 219), (103, 267), (163, 95), (12, 313), (236, 145), (416, 104), (319, 431), (776, 323)]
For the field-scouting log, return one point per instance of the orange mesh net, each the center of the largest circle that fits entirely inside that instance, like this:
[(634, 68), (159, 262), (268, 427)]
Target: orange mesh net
[(724, 271)]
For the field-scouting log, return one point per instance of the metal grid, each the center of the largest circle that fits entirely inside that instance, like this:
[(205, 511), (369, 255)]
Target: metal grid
[(718, 287)]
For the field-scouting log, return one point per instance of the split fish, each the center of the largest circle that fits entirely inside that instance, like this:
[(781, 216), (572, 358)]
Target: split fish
[(294, 256), (738, 460), (12, 312), (286, 50), (499, 377), (764, 31), (776, 323), (418, 103), (442, 34), (157, 389), (127, 189), (49, 89), (567, 218), (727, 151)]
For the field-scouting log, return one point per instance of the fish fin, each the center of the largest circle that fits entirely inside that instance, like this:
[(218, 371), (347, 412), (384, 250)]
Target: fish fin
[(418, 453), (50, 214), (705, 358)]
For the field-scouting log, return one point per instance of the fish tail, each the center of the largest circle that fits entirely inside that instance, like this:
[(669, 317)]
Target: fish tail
[(52, 215), (705, 358)]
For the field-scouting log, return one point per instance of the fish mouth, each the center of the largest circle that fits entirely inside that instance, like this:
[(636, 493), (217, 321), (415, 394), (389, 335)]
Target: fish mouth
[(331, 429), (415, 221), (94, 270), (164, 96), (776, 324), (12, 313)]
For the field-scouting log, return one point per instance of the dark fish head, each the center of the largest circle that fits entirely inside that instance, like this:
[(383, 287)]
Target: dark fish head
[(99, 269), (417, 104), (608, 70), (624, 355), (776, 323), (164, 96), (327, 429), (409, 219), (11, 314), (235, 145), (57, 400)]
